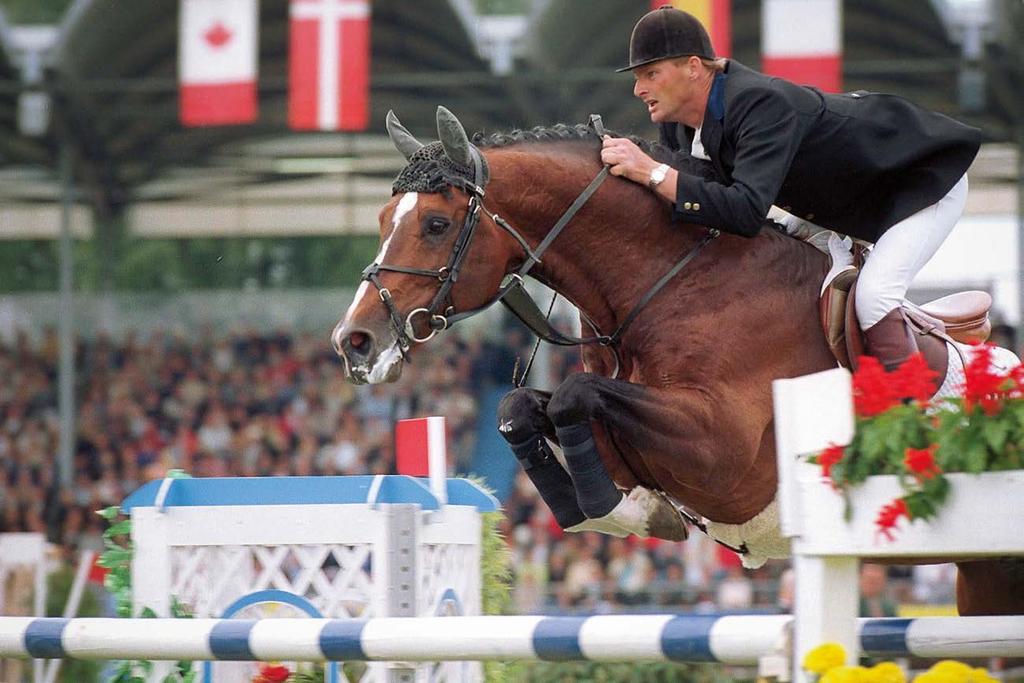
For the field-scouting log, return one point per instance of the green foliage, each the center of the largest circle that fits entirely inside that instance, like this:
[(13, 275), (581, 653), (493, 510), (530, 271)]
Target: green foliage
[(979, 441), (313, 675), (630, 672), (58, 587), (117, 558), (34, 11), (496, 584)]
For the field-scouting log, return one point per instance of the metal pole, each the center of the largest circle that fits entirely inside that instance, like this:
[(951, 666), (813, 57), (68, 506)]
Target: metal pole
[(66, 325), (1019, 337)]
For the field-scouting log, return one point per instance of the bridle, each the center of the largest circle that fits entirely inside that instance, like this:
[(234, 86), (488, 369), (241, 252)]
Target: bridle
[(441, 313)]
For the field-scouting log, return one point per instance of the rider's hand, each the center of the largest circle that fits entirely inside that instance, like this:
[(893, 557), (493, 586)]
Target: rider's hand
[(627, 160)]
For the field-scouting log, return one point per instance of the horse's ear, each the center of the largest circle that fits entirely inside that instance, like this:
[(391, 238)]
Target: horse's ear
[(402, 139), (453, 138)]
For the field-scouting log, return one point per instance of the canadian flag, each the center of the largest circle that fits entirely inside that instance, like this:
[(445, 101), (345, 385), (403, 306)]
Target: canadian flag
[(329, 68), (217, 60), (802, 41)]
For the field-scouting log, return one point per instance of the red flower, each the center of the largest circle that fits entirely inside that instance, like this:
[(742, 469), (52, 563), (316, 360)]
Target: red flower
[(921, 462), (272, 673), (873, 390), (982, 386), (1017, 377), (915, 380), (889, 515), (830, 456)]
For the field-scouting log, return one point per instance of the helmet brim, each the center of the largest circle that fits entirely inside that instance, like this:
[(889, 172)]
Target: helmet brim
[(657, 59)]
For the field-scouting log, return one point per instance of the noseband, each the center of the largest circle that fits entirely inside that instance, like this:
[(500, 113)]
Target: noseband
[(512, 293)]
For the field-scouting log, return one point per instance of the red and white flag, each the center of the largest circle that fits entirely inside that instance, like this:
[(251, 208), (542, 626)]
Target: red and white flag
[(802, 41), (217, 60), (421, 451), (329, 68)]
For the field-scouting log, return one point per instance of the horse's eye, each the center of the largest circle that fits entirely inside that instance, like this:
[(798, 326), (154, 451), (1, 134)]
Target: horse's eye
[(437, 225)]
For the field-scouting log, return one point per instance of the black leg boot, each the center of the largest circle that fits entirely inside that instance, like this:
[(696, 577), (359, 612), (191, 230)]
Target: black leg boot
[(522, 418)]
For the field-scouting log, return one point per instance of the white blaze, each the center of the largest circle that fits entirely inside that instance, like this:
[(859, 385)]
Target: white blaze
[(406, 204)]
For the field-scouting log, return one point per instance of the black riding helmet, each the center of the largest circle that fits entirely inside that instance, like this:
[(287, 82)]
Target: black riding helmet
[(664, 33)]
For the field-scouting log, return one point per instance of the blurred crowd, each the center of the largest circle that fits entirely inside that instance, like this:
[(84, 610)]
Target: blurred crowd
[(258, 404)]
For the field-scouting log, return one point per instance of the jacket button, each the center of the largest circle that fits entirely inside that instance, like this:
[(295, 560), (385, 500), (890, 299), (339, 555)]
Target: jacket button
[(809, 217), (696, 206), (687, 205)]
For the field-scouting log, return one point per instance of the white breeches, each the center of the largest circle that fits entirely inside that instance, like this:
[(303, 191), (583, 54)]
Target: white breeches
[(902, 251)]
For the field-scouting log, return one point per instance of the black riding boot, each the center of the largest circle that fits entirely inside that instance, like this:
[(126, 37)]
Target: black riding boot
[(891, 340)]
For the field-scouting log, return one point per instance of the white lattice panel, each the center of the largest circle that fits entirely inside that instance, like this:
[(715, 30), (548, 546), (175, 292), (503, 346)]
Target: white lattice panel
[(335, 579), (338, 557)]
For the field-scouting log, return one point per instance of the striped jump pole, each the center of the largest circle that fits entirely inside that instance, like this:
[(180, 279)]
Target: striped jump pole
[(738, 640)]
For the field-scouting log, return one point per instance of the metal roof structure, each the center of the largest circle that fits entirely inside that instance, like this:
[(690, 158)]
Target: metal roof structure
[(114, 90)]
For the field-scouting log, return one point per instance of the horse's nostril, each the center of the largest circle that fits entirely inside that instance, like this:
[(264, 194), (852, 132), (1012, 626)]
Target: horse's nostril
[(359, 342)]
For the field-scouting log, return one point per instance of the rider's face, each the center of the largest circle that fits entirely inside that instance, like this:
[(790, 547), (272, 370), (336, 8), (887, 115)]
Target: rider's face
[(666, 88)]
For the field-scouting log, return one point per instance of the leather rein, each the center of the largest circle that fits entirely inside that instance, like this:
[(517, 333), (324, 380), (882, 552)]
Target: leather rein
[(512, 293)]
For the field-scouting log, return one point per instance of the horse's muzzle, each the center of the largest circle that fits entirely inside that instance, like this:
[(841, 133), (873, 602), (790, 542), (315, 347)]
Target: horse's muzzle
[(366, 362)]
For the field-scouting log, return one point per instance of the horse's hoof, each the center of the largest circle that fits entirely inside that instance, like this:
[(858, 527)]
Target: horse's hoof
[(645, 513), (664, 521)]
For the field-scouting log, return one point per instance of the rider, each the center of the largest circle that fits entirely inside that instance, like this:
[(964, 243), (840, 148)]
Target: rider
[(871, 166)]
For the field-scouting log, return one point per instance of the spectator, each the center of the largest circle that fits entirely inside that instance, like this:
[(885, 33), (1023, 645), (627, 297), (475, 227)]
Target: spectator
[(785, 598), (873, 600), (735, 591), (934, 583)]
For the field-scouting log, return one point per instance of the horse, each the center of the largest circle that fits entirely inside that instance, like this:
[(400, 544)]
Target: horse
[(670, 424)]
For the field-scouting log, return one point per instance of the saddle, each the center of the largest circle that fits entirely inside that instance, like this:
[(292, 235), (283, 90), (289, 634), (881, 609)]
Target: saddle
[(961, 317)]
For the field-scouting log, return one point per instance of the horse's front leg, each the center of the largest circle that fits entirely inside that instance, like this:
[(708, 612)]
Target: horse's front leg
[(585, 398), (524, 423)]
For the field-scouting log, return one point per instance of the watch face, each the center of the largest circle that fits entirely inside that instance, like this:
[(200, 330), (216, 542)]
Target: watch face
[(658, 175)]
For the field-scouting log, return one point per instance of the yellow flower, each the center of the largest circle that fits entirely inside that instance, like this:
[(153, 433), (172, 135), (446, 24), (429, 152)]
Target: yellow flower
[(846, 674), (824, 657), (886, 672), (981, 675), (951, 670), (948, 671)]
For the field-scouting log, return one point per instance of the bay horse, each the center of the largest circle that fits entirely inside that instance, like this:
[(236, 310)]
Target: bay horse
[(671, 421)]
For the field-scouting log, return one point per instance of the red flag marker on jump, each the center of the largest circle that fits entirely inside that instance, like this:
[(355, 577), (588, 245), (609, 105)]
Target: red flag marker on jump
[(421, 451)]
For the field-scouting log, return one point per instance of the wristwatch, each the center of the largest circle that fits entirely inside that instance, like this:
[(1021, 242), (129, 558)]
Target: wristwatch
[(657, 175)]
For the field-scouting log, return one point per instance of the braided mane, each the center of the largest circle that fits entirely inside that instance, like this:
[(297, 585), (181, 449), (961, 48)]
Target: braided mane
[(430, 170), (560, 132)]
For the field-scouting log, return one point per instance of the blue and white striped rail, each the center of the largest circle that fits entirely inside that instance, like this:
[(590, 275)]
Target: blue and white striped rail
[(687, 638)]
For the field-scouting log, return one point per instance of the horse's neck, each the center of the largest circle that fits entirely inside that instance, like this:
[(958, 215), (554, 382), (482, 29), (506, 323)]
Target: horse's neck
[(606, 251), (622, 242)]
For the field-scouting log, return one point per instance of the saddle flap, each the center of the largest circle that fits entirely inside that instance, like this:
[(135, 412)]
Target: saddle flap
[(854, 341), (832, 306)]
